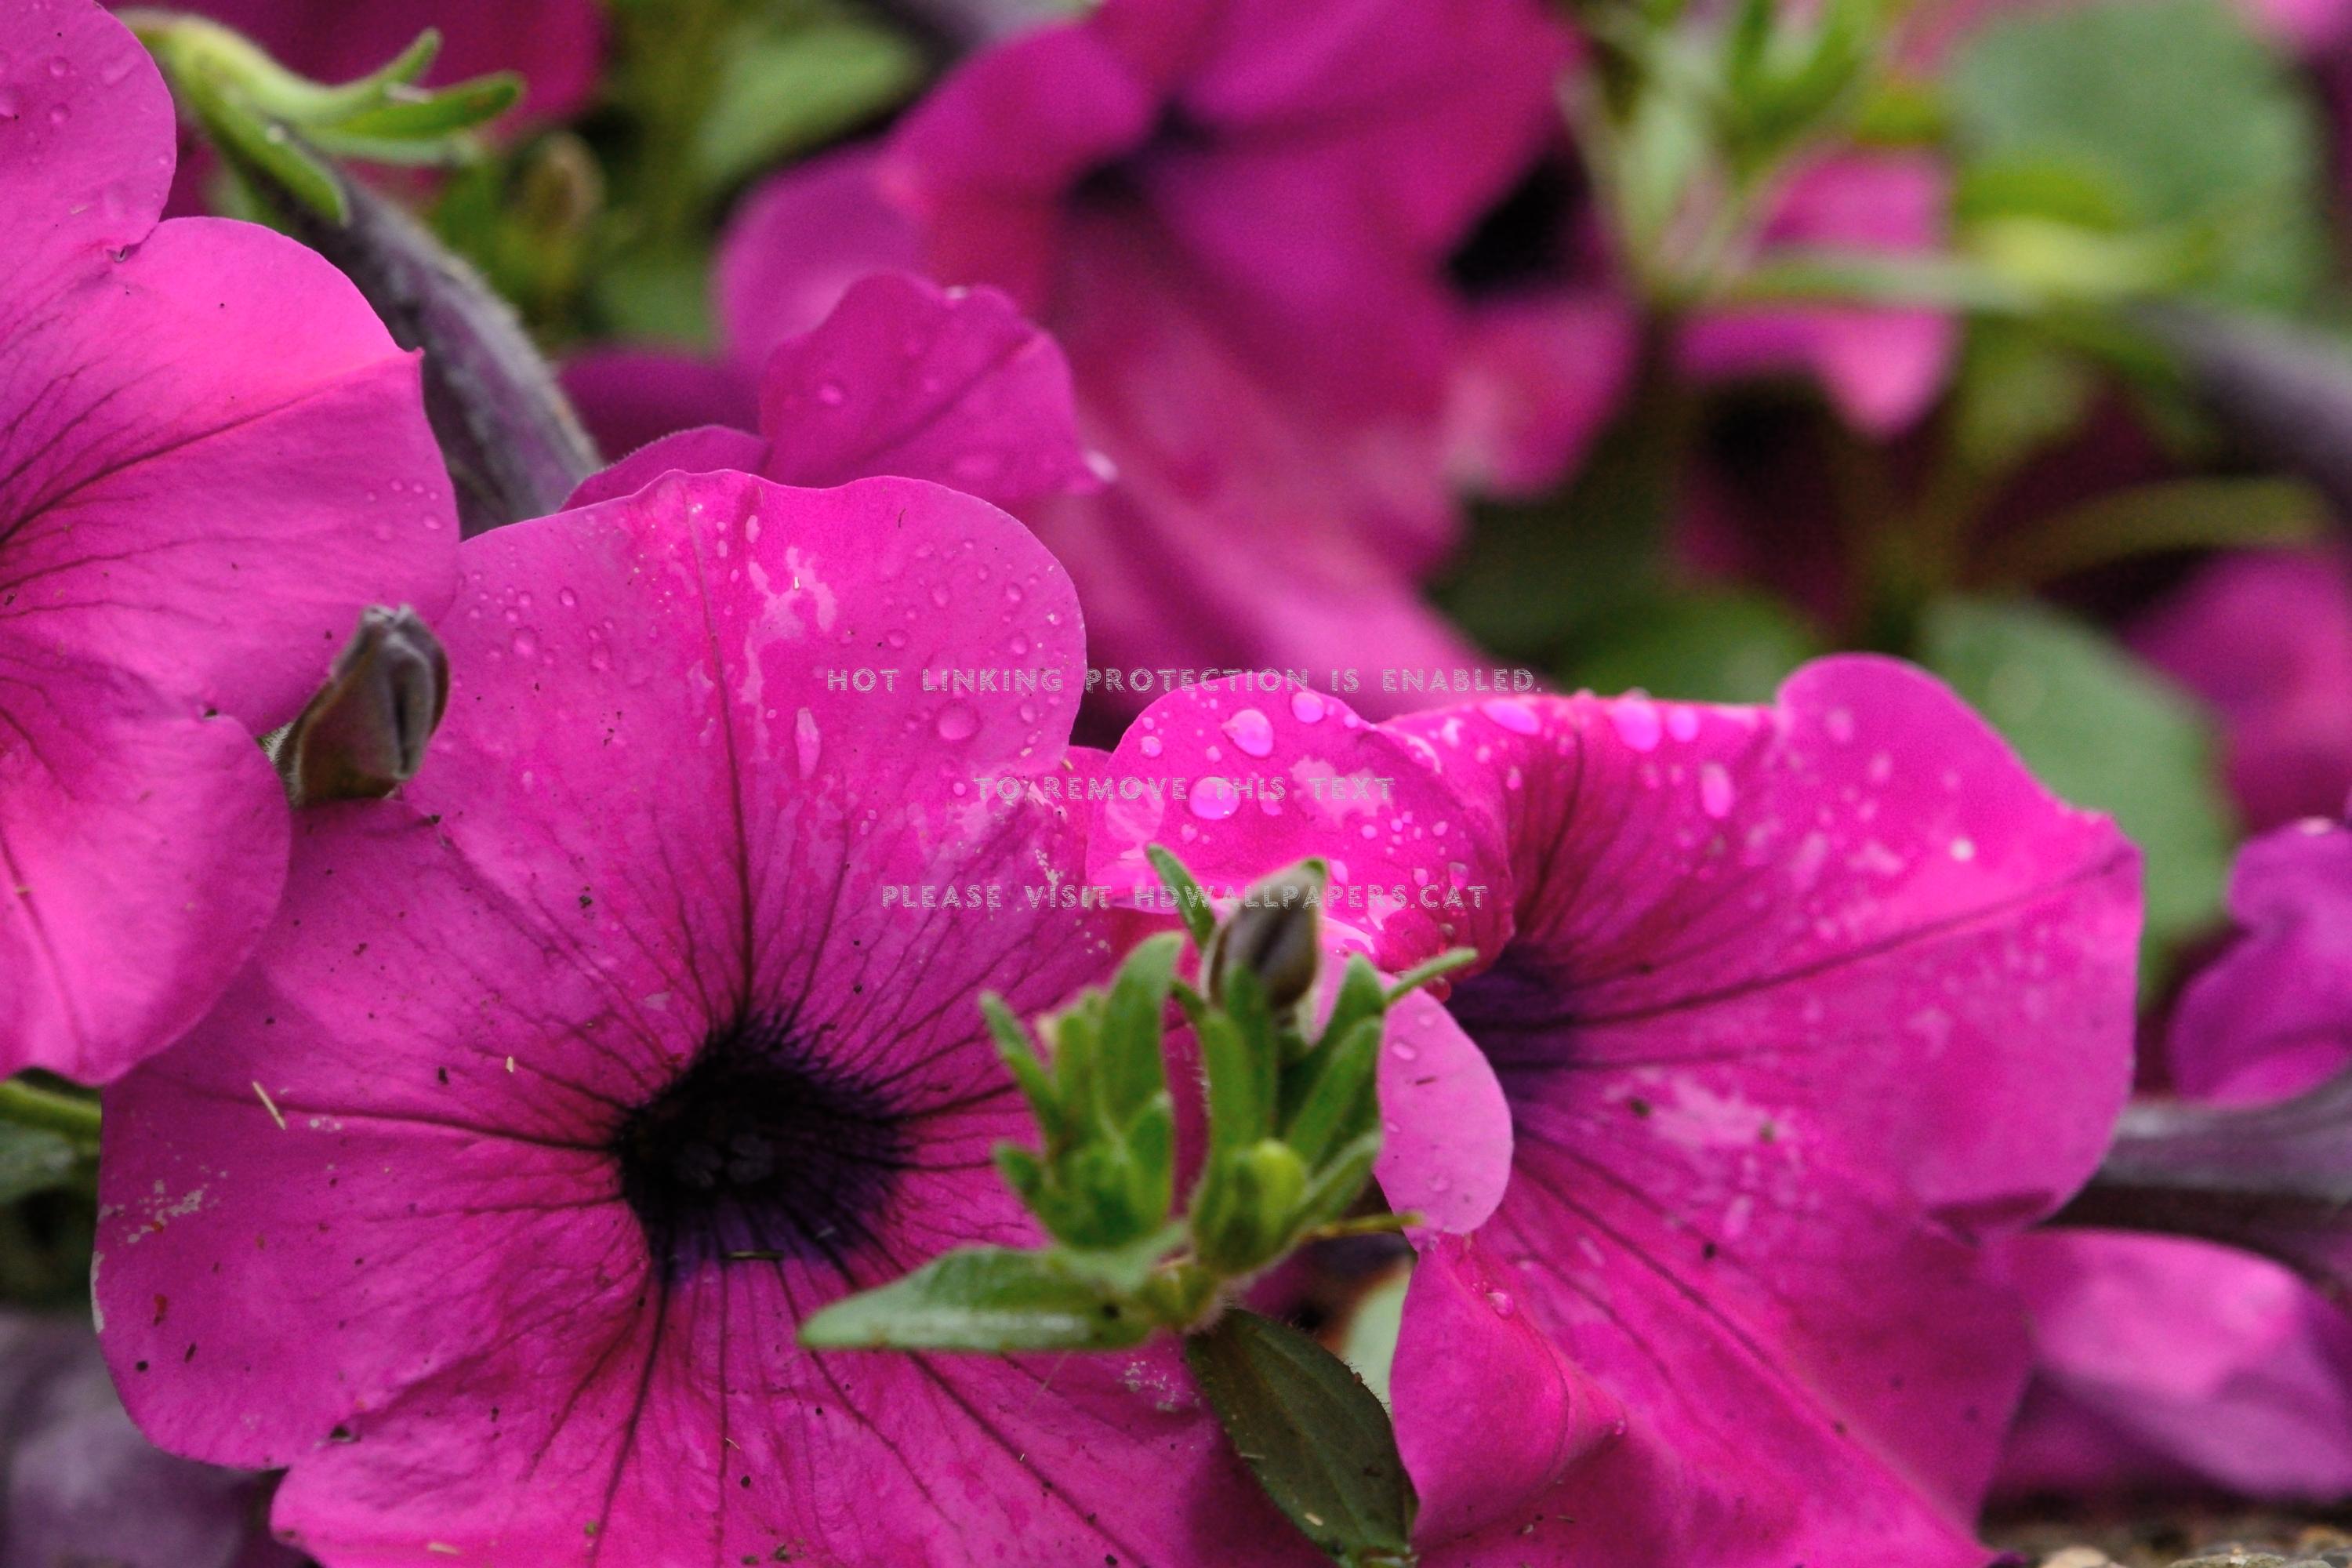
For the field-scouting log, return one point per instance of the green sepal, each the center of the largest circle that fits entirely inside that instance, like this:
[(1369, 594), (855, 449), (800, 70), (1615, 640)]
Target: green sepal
[(1339, 1104), (990, 1298), (1335, 1188), (1133, 1068), (1192, 905)]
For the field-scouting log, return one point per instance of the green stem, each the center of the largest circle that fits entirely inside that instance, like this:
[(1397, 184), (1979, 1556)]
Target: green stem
[(29, 1106)]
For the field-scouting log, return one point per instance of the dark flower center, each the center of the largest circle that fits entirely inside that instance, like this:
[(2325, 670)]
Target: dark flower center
[(761, 1150), (1523, 240), (1119, 181), (1517, 1014)]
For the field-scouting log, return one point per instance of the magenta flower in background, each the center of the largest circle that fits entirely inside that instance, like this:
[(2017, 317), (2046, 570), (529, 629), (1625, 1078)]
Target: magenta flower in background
[(1883, 368), (2266, 639), (1774, 1001), (1233, 215), (80, 1485), (1550, 334), (2164, 1362), (902, 378), (569, 1081), (193, 507)]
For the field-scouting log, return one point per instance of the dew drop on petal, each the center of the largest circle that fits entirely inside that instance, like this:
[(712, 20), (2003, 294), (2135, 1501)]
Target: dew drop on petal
[(1149, 745), (1512, 715), (567, 598), (1251, 731), (1637, 721), (956, 721), (1213, 799), (526, 644), (1308, 707), (805, 740), (831, 394), (1714, 793)]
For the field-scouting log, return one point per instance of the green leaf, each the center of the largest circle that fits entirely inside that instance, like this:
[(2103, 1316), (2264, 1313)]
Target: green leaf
[(1341, 1181), (2103, 731), (1133, 1067), (1361, 997), (421, 116), (1315, 1436), (783, 93), (982, 1298), (33, 1160), (1020, 1058), (1338, 1102), (1123, 1269), (2017, 393), (1707, 645), (265, 151), (2205, 513), (2172, 110), (1191, 904), (1238, 1112)]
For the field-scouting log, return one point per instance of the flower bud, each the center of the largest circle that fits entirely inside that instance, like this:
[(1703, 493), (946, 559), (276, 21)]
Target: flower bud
[(364, 733), (1276, 935)]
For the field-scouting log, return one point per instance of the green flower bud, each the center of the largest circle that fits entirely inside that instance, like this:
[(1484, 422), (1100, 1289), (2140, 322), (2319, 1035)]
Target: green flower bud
[(364, 733), (1276, 935)]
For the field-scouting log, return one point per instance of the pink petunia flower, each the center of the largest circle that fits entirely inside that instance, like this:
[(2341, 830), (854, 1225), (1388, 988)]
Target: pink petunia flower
[(635, 1031), (1883, 367), (1233, 215), (1551, 334), (902, 378), (2163, 1361), (194, 506), (2266, 639), (1779, 1007)]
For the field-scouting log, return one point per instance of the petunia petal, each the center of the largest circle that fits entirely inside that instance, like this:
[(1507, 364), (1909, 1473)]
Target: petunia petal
[(705, 449), (1865, 860), (905, 378), (121, 542), (86, 144), (142, 849), (1447, 1152), (1466, 1355)]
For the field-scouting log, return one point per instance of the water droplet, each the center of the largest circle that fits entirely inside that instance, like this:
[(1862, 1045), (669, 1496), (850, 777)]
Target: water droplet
[(956, 721), (1638, 723), (831, 394), (1512, 715), (567, 598), (1308, 707), (1213, 799), (1715, 792), (805, 740), (1404, 1052), (59, 114), (1251, 731), (1149, 745), (1502, 1303), (60, 67), (112, 73), (525, 644)]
